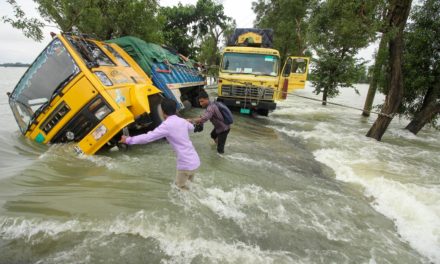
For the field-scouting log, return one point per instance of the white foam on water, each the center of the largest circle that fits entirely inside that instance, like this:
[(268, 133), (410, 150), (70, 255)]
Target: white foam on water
[(102, 161), (406, 134), (285, 121), (250, 206), (176, 241), (233, 204), (241, 157), (305, 110), (317, 133), (413, 208), (12, 228)]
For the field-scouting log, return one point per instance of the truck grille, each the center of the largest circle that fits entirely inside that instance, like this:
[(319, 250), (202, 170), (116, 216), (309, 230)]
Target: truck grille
[(264, 93), (82, 123), (59, 112)]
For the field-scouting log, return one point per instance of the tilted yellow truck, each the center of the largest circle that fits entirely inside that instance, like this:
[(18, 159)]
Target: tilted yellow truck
[(250, 77), (84, 91)]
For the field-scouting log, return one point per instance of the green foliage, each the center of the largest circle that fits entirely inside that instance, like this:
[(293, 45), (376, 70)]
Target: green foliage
[(363, 75), (31, 27), (421, 68), (288, 19), (338, 29), (209, 54), (196, 30), (176, 30), (105, 18), (332, 72)]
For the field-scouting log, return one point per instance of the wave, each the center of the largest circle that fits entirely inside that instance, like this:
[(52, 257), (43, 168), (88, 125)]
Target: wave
[(413, 208), (175, 241)]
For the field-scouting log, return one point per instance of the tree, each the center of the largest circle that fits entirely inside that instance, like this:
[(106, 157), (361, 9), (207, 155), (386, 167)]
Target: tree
[(363, 74), (177, 28), (288, 19), (105, 18), (211, 26), (31, 27), (195, 29), (421, 68), (377, 70), (338, 29), (396, 20)]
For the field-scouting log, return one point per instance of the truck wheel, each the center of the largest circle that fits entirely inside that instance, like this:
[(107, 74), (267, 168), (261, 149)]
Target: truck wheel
[(263, 112), (187, 105), (155, 110)]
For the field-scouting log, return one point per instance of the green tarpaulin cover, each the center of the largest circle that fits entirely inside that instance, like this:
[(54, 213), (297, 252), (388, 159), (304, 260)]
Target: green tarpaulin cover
[(146, 54)]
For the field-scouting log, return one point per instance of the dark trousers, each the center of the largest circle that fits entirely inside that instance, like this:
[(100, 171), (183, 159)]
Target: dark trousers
[(221, 139)]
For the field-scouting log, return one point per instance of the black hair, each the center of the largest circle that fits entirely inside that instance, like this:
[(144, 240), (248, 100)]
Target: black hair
[(203, 95), (168, 106)]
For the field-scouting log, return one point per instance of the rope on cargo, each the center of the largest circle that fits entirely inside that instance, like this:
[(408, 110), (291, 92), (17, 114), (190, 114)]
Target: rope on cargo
[(309, 98)]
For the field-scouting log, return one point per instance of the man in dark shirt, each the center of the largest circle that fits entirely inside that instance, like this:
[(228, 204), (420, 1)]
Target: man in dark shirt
[(212, 113)]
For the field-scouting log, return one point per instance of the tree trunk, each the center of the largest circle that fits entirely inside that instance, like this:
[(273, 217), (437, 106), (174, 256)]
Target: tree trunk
[(324, 96), (399, 11), (423, 117), (379, 61), (428, 110)]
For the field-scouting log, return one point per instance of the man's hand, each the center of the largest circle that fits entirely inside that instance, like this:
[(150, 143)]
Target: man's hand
[(196, 121), (123, 139)]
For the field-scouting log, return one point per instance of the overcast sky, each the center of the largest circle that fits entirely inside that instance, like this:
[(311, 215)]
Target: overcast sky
[(14, 47)]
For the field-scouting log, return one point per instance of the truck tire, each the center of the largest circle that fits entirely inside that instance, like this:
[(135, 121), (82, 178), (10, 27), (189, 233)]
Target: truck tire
[(187, 105), (155, 110), (263, 112)]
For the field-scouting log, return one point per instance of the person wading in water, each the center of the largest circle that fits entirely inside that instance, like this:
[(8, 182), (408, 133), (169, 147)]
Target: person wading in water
[(212, 113), (176, 131)]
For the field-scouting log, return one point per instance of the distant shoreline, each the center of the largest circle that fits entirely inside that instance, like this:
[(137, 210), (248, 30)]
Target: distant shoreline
[(18, 64)]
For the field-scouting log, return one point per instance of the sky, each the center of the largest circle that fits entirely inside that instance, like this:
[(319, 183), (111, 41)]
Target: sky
[(15, 47)]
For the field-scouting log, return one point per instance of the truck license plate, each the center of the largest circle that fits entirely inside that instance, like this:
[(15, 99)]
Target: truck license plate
[(245, 111)]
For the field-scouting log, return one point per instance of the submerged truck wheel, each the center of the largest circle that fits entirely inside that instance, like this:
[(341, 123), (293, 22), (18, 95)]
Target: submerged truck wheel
[(263, 112), (155, 110)]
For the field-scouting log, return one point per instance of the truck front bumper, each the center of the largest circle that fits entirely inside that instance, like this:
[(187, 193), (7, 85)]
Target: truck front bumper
[(247, 103)]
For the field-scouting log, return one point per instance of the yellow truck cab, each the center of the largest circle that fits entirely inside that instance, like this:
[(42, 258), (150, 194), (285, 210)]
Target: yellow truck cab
[(84, 91), (250, 77)]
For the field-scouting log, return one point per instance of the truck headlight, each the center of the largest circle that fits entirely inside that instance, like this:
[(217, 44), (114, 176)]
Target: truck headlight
[(70, 135), (102, 112), (99, 132), (103, 77)]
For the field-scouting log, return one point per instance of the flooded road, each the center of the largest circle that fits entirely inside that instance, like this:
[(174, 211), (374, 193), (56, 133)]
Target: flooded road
[(302, 186)]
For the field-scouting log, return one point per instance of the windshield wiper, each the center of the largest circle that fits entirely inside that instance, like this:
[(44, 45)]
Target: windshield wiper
[(82, 47), (55, 92)]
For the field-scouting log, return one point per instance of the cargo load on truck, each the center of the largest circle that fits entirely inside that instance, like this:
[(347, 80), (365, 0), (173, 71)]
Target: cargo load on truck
[(175, 75), (251, 37)]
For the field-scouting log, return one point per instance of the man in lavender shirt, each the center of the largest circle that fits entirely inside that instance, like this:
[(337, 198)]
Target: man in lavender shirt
[(175, 130)]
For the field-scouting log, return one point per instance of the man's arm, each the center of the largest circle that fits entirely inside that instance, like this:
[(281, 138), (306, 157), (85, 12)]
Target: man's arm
[(159, 132), (190, 126), (205, 117)]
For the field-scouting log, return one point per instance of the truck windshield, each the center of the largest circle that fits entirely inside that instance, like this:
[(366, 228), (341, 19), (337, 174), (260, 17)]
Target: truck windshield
[(257, 64), (49, 73), (92, 55)]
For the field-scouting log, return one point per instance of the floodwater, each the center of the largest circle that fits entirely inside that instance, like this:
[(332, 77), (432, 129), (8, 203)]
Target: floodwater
[(302, 186)]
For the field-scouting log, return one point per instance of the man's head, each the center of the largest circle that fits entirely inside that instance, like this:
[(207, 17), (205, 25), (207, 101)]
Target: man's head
[(168, 107), (203, 99)]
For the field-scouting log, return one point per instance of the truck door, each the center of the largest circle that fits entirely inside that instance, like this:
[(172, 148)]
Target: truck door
[(294, 75)]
